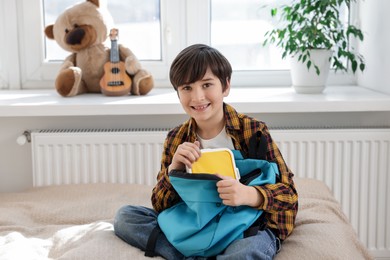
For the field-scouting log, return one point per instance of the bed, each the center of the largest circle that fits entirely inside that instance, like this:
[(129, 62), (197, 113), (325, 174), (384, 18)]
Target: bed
[(75, 222)]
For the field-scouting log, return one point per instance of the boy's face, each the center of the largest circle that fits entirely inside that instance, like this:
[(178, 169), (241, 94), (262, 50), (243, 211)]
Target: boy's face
[(203, 99)]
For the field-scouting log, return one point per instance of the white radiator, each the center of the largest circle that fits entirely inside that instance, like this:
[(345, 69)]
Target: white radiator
[(354, 163), (96, 156)]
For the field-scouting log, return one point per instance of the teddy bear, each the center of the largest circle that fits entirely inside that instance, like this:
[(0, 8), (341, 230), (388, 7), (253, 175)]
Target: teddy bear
[(83, 30)]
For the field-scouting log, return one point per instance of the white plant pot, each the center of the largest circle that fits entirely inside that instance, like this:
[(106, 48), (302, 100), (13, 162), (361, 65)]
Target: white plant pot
[(306, 81)]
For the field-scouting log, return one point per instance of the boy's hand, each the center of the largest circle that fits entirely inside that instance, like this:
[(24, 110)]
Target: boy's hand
[(186, 154), (234, 193)]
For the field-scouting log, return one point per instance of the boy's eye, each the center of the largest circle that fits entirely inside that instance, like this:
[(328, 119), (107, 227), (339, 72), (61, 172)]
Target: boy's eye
[(206, 85), (186, 88)]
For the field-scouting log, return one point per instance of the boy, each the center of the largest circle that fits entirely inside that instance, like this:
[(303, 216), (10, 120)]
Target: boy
[(201, 76)]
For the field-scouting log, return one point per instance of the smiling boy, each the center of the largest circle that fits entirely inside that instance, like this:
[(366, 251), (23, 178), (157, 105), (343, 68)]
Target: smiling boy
[(201, 76)]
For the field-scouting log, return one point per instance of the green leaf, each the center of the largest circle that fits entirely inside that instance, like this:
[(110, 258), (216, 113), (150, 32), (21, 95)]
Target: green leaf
[(354, 66), (362, 66), (308, 65), (360, 35), (317, 70)]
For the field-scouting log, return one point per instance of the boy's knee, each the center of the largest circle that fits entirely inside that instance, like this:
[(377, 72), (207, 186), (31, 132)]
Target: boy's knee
[(121, 213), (118, 219), (123, 216), (132, 216)]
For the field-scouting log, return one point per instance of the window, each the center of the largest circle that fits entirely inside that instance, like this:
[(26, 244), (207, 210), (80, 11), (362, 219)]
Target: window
[(237, 28), (159, 29)]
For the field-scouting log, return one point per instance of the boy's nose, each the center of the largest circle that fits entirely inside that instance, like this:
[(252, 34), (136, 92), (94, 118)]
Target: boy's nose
[(198, 94)]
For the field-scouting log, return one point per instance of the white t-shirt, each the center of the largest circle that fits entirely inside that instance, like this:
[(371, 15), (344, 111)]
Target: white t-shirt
[(222, 140)]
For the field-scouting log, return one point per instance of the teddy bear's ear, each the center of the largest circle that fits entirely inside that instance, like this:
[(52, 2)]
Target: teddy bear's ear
[(95, 2), (49, 31)]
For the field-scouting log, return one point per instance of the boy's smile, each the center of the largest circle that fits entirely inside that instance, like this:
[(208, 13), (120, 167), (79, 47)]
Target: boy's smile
[(203, 101), (201, 108)]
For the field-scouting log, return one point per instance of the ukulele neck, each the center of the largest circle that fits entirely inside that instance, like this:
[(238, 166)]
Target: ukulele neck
[(114, 53)]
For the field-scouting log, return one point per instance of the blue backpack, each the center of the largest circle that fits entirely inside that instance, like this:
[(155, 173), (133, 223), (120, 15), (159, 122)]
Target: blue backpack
[(200, 225)]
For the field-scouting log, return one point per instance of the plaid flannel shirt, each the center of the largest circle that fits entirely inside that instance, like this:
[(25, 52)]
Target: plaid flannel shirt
[(280, 199)]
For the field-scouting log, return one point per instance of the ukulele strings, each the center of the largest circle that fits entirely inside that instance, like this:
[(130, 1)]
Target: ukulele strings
[(114, 64), (114, 68)]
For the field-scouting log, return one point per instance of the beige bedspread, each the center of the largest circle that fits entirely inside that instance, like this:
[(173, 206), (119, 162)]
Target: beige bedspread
[(75, 222)]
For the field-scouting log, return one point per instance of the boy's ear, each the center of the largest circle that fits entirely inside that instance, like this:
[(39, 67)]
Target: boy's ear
[(227, 88)]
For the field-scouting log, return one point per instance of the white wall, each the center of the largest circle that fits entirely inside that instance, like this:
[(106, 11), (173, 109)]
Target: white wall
[(375, 24)]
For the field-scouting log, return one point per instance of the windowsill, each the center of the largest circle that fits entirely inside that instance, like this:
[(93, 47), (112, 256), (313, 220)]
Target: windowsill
[(164, 101)]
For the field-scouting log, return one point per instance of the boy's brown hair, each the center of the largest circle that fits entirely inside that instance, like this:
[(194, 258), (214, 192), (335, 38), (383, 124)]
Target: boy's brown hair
[(191, 64)]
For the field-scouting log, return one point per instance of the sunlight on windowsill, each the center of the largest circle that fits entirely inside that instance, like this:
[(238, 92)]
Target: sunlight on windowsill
[(164, 101)]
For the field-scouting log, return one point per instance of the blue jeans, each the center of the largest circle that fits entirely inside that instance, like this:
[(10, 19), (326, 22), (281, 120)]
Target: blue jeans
[(133, 224)]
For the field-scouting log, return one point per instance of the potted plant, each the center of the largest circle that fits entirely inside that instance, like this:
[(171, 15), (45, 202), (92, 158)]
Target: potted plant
[(310, 30)]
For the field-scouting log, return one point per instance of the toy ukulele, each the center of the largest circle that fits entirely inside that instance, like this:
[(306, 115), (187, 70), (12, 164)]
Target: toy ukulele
[(115, 81)]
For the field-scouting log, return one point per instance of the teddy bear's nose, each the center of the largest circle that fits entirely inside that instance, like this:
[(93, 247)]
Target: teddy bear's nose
[(75, 36)]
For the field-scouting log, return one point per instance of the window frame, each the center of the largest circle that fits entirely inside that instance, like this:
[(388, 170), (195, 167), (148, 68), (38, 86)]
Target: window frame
[(9, 54), (24, 65)]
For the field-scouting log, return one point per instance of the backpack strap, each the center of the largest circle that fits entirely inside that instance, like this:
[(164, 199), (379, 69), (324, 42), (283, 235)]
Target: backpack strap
[(258, 225), (257, 146), (257, 150), (152, 240), (247, 178)]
